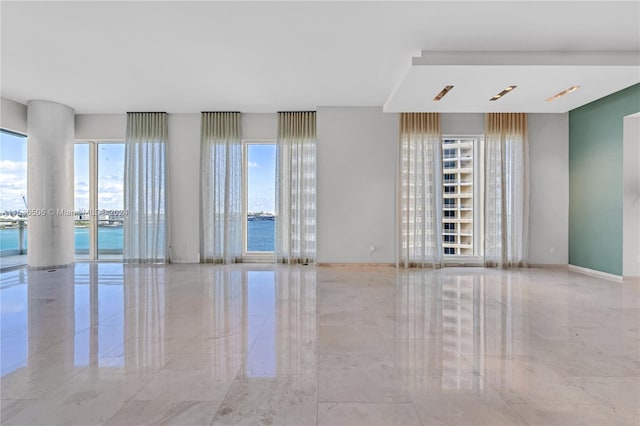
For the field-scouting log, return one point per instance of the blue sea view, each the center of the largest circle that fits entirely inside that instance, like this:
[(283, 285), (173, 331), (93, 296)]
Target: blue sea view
[(108, 193), (108, 238), (261, 235), (10, 239)]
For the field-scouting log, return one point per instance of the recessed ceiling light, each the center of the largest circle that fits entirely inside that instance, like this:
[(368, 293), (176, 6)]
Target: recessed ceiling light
[(504, 92), (564, 92), (442, 93)]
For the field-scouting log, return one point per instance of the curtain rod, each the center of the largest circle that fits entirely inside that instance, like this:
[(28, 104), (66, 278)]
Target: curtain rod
[(295, 111), (146, 112), (211, 112)]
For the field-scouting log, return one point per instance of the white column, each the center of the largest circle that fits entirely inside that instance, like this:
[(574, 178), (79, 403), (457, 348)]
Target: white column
[(50, 130)]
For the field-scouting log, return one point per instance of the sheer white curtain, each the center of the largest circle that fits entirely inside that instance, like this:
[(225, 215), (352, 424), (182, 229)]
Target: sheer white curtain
[(506, 196), (221, 188), (146, 236), (420, 191), (296, 188)]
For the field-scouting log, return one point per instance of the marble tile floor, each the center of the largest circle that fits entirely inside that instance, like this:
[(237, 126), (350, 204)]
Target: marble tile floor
[(7, 262), (103, 343)]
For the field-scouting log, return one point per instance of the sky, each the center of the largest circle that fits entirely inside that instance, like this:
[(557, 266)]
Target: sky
[(110, 176), (13, 171), (13, 175), (261, 177)]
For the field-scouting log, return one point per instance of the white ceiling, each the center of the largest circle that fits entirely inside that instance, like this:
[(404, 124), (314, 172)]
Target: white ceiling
[(112, 57), (478, 76)]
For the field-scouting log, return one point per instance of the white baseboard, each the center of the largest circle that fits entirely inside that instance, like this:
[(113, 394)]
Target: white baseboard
[(594, 273), (554, 266), (355, 265)]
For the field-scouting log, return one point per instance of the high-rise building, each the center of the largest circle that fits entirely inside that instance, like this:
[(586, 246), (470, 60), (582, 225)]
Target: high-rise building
[(457, 215)]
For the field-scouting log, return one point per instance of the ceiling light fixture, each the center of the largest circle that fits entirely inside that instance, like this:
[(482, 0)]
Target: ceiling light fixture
[(442, 93), (564, 92), (504, 92)]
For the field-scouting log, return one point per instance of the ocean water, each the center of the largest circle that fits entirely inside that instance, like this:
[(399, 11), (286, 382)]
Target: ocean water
[(261, 236), (108, 238), (10, 239)]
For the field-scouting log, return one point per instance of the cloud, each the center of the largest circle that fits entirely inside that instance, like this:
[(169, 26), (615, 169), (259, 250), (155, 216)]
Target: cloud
[(253, 165), (8, 165), (13, 184), (110, 192)]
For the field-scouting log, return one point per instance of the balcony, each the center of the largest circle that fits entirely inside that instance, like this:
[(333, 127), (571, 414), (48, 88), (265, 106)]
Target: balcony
[(457, 220), (13, 241)]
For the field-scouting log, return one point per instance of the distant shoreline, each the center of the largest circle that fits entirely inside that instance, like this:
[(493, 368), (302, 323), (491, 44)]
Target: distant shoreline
[(260, 217)]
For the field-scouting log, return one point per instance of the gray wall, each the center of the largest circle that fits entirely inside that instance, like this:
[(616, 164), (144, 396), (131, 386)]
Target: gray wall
[(356, 185), (183, 163), (13, 116), (356, 177), (259, 126), (548, 189), (104, 127), (462, 124)]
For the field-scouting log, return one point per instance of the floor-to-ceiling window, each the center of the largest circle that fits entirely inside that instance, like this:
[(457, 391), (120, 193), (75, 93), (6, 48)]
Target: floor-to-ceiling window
[(462, 203), (99, 202), (13, 199), (259, 163), (82, 185)]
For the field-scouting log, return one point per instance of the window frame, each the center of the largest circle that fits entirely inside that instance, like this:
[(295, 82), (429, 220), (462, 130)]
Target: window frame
[(477, 258), (22, 249), (93, 199), (252, 256)]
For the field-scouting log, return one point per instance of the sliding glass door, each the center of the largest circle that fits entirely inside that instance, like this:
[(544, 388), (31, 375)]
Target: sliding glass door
[(99, 205), (110, 199), (259, 164), (13, 199)]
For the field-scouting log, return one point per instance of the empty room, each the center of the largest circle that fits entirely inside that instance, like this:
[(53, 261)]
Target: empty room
[(320, 213)]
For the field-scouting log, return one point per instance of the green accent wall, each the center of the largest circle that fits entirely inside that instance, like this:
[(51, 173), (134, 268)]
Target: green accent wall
[(595, 180)]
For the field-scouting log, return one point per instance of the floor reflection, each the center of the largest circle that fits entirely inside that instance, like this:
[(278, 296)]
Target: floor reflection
[(127, 344), (14, 350), (446, 327), (115, 316)]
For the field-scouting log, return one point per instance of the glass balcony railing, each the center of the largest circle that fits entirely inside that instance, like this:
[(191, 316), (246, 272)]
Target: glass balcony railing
[(110, 236), (13, 236)]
